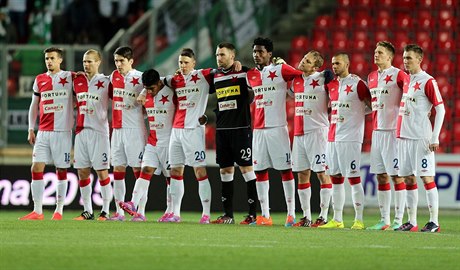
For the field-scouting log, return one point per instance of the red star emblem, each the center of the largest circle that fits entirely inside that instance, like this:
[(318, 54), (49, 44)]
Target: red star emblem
[(63, 81), (348, 90), (388, 79), (416, 86), (135, 81), (314, 83), (164, 99), (272, 75), (195, 78), (99, 84), (234, 79)]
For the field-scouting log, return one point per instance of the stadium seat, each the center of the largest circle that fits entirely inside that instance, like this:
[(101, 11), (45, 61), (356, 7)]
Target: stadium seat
[(320, 44), (398, 60), (427, 4), (344, 4), (456, 132), (401, 39), (444, 64), (299, 43), (446, 19), (381, 35), (403, 20), (425, 20), (446, 89), (447, 4), (457, 111), (445, 41), (339, 40), (323, 21), (407, 5), (387, 4), (383, 20), (426, 65), (360, 68), (362, 19), (423, 39), (445, 137), (295, 56)]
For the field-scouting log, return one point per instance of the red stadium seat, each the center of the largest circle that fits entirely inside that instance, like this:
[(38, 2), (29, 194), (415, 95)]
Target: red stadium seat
[(456, 132), (387, 4), (295, 56), (403, 20), (381, 35), (446, 19), (360, 68), (319, 34), (299, 43), (423, 39), (445, 41), (444, 64), (445, 137), (449, 112), (445, 87), (323, 21), (358, 57), (320, 44), (425, 20), (339, 39), (360, 40), (456, 109), (363, 4), (448, 3), (362, 19), (401, 39), (384, 19), (344, 3), (427, 4), (405, 5), (427, 65), (398, 61)]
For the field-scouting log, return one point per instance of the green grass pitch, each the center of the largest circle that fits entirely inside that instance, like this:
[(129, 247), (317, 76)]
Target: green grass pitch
[(69, 244)]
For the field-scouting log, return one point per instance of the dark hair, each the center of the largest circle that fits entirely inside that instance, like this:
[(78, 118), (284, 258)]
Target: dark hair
[(125, 52), (387, 45), (227, 45), (59, 51), (266, 42), (187, 52), (414, 48), (319, 60), (150, 77)]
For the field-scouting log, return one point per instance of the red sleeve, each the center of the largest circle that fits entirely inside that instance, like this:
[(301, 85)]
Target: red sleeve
[(402, 79), (289, 73), (363, 91), (432, 92), (208, 75)]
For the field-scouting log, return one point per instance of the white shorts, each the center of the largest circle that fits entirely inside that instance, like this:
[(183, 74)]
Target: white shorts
[(415, 158), (127, 147), (344, 158), (187, 147), (271, 148), (309, 151), (156, 157), (53, 147), (384, 152), (92, 149)]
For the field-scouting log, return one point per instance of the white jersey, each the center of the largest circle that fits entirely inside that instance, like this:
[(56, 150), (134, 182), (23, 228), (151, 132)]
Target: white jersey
[(386, 89), (56, 100), (126, 112), (92, 103), (270, 86), (160, 111), (347, 97), (416, 103), (192, 91), (311, 100)]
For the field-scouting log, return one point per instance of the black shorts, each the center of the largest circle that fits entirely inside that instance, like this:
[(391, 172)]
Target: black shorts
[(234, 145)]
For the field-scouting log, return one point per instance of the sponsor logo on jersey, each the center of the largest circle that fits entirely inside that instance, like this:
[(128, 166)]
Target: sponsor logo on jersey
[(377, 105), (123, 93), (88, 96), (403, 111), (156, 125), (51, 108), (120, 105), (86, 110), (228, 91), (261, 103), (227, 105), (301, 97), (153, 111), (376, 92), (337, 119), (258, 90), (185, 104), (184, 91), (340, 105), (54, 94), (300, 111)]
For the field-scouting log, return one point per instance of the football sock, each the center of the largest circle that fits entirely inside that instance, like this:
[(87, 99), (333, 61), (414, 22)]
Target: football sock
[(251, 190), (412, 201), (304, 192), (61, 192), (432, 198), (289, 191), (338, 197), (263, 187), (357, 196), (140, 188), (142, 204), (400, 202), (204, 190), (106, 194), (325, 195), (227, 197), (37, 186), (169, 206), (119, 190), (384, 199), (177, 192), (86, 190)]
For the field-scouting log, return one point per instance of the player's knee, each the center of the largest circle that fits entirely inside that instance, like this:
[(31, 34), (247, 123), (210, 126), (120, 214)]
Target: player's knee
[(148, 170), (382, 178), (200, 172)]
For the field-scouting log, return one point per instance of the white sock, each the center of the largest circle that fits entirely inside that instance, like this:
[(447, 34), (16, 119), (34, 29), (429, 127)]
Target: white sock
[(204, 190), (432, 198), (338, 201), (169, 206), (400, 203), (384, 198), (86, 198), (304, 197), (61, 192), (177, 192), (141, 187), (357, 196), (325, 195), (142, 204), (37, 187), (119, 191), (289, 196), (412, 201), (262, 193), (107, 194)]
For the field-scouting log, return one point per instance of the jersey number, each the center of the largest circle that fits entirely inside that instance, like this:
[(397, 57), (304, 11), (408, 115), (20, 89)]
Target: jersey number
[(424, 163), (200, 155), (104, 157), (245, 154), (395, 161), (320, 159), (66, 157), (353, 165)]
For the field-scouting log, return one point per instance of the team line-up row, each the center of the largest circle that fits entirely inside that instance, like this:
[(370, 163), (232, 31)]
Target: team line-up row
[(330, 109)]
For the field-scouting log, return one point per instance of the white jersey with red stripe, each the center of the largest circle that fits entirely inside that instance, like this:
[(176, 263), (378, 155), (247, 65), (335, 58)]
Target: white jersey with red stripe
[(92, 103), (311, 100), (56, 100), (418, 99), (347, 97), (126, 112), (192, 91), (386, 89), (270, 86), (160, 111)]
